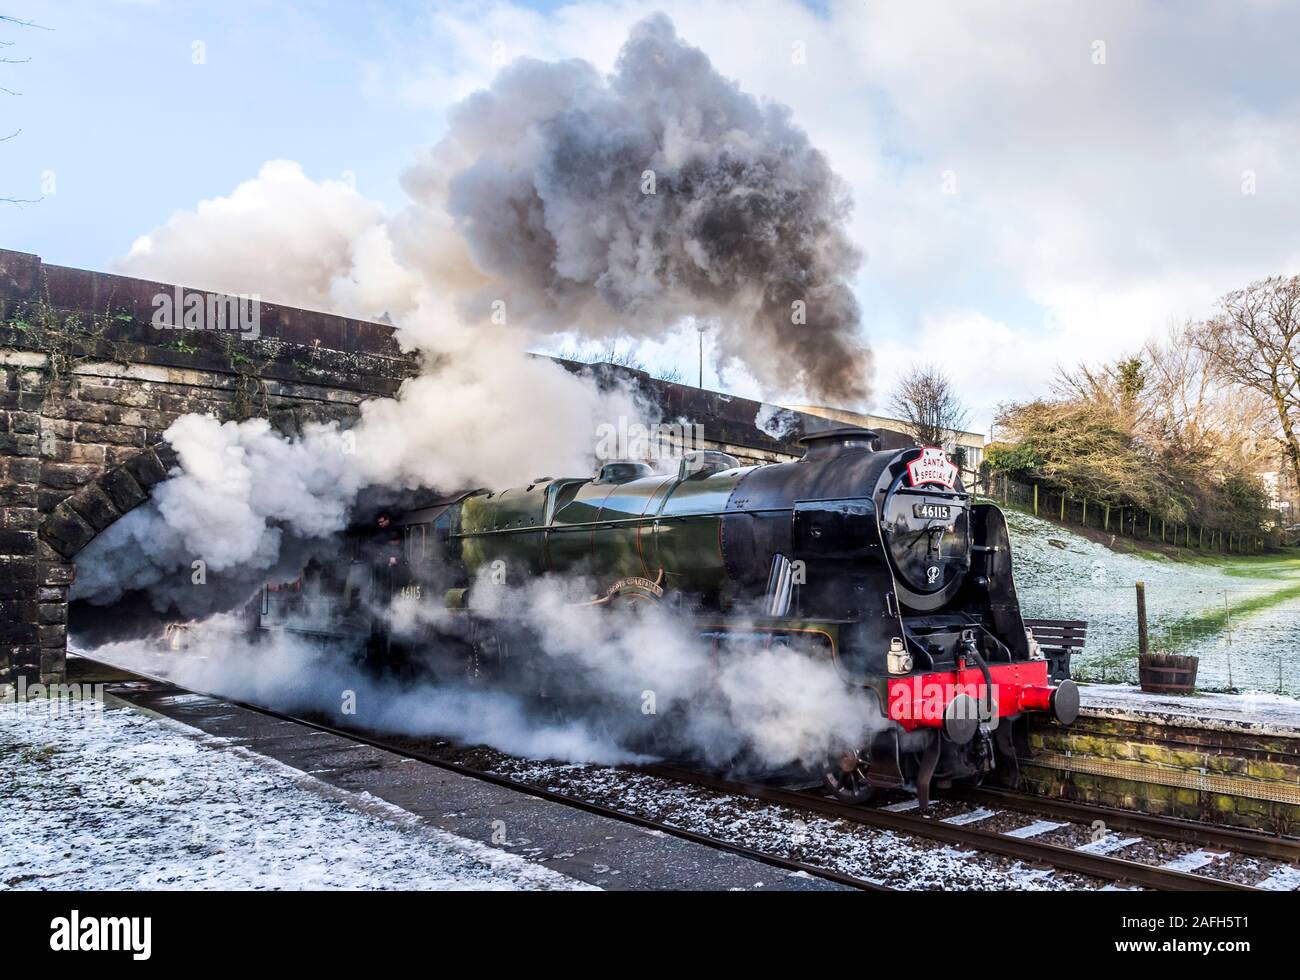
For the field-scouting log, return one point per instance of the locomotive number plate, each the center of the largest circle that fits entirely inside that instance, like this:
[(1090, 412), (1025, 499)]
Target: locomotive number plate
[(932, 512)]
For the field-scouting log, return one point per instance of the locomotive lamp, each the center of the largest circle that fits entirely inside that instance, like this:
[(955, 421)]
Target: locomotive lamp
[(900, 661)]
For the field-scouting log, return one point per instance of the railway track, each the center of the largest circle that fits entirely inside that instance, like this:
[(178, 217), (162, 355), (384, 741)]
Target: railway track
[(1169, 828), (158, 685), (1103, 866)]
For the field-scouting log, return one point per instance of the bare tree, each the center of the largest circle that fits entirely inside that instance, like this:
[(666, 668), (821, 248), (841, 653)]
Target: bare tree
[(1118, 387), (926, 400), (618, 357), (1190, 413), (1254, 341)]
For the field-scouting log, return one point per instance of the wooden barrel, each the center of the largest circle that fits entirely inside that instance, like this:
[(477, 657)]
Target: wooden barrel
[(1167, 673)]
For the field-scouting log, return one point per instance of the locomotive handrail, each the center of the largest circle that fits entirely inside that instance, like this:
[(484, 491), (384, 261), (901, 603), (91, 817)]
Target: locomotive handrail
[(626, 521), (922, 491)]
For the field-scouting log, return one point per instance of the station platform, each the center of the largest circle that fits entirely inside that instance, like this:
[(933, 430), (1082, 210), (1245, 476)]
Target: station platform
[(133, 788), (1231, 759)]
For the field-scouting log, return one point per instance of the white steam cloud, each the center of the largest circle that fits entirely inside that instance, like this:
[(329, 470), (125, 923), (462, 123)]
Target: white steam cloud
[(619, 689), (566, 201)]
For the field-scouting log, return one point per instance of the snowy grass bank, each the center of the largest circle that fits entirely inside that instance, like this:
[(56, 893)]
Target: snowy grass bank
[(1239, 614)]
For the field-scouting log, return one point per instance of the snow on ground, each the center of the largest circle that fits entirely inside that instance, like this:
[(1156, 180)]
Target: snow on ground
[(1256, 712), (898, 860), (100, 799), (1194, 860), (1254, 653), (1285, 879), (1062, 575)]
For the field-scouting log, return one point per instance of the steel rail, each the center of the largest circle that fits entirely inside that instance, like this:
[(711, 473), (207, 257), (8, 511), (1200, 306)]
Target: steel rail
[(496, 779), (1173, 828), (1066, 858)]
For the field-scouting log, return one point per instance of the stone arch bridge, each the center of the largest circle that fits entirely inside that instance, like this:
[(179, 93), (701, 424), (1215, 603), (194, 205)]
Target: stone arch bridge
[(88, 384)]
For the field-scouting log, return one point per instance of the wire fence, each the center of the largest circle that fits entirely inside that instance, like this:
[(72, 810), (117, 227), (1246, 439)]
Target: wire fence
[(1244, 638), (1121, 521)]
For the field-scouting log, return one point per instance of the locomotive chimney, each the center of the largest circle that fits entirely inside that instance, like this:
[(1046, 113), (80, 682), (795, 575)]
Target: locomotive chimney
[(830, 443)]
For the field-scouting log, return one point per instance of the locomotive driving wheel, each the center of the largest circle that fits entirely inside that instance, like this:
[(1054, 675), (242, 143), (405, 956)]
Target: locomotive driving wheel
[(845, 775)]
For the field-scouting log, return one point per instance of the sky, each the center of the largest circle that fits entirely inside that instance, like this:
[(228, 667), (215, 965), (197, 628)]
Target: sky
[(1034, 184)]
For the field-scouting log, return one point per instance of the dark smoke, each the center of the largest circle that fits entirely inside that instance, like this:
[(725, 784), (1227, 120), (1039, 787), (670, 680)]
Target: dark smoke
[(544, 173)]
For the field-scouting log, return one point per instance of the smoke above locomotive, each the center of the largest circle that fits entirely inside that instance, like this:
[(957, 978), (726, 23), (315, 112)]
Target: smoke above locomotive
[(659, 193), (563, 201)]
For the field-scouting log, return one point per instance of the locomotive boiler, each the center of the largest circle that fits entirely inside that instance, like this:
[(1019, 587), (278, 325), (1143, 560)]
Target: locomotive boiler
[(878, 561)]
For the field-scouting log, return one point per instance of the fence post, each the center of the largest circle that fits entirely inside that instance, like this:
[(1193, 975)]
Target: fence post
[(1227, 617), (1148, 525), (1085, 512), (1200, 538), (1062, 506), (1035, 499), (1142, 617), (1106, 519), (1162, 530)]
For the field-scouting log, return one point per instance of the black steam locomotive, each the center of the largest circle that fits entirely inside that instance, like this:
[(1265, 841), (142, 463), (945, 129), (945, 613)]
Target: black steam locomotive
[(878, 561)]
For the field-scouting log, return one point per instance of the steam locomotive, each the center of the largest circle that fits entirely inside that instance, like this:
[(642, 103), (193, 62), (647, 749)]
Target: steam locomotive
[(878, 561)]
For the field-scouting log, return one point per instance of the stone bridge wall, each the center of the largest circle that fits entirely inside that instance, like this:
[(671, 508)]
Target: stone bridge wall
[(88, 386)]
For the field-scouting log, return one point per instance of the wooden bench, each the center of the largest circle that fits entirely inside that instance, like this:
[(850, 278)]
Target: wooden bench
[(1058, 639)]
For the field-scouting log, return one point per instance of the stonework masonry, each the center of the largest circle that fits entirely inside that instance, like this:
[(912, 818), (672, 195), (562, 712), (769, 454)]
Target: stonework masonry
[(1239, 777)]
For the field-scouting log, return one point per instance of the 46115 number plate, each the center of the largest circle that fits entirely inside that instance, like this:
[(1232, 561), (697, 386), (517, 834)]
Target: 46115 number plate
[(932, 512)]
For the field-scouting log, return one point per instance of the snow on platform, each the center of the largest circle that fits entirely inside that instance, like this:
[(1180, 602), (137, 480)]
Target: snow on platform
[(100, 799), (1254, 713)]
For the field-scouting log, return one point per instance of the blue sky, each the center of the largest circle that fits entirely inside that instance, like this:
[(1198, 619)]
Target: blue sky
[(133, 130), (1022, 203)]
